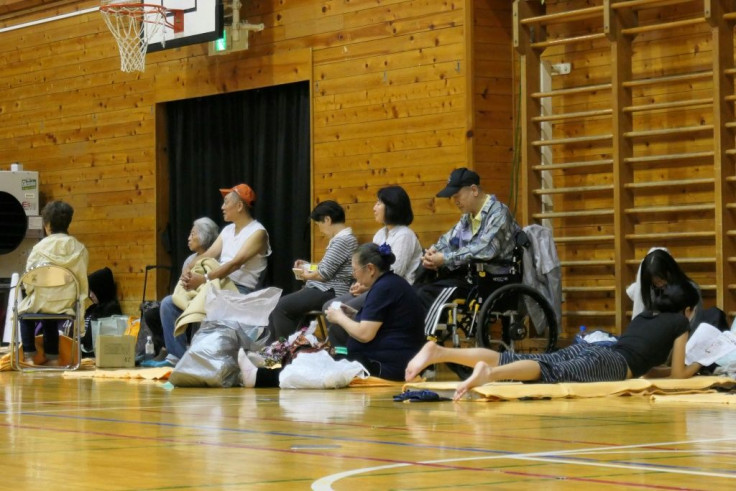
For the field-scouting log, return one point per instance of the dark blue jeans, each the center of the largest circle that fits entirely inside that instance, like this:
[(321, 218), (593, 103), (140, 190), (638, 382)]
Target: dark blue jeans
[(50, 330), (176, 346)]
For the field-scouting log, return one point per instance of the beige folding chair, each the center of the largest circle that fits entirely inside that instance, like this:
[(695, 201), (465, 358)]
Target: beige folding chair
[(56, 279)]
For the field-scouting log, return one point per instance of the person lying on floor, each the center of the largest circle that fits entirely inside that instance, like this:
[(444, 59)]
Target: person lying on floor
[(386, 332), (644, 346)]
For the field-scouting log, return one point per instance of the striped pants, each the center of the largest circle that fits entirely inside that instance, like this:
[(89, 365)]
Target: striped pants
[(577, 363)]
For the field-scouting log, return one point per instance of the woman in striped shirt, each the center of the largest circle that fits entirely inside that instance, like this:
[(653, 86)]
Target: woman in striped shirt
[(332, 277)]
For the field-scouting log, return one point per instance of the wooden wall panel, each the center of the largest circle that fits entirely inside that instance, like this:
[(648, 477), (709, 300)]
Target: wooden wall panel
[(492, 96), (391, 99)]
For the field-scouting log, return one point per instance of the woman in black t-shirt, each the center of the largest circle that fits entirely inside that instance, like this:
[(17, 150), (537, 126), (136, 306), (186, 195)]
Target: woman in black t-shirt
[(389, 329), (646, 344)]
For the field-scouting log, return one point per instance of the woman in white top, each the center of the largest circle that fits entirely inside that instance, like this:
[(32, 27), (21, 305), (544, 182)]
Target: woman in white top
[(393, 210)]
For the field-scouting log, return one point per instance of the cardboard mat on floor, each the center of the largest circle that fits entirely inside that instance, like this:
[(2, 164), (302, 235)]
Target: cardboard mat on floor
[(357, 383), (709, 399), (160, 373), (163, 373), (506, 391)]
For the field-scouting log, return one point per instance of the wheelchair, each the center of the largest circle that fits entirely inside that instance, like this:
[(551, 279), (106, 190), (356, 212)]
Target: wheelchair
[(498, 311)]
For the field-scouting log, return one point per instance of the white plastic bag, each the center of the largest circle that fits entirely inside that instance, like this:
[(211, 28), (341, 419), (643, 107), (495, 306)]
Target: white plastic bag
[(319, 371), (252, 309)]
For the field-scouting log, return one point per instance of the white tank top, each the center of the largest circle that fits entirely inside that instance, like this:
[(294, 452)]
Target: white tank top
[(250, 272)]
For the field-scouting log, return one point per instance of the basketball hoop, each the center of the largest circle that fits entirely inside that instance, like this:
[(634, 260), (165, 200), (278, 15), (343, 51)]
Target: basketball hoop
[(133, 23)]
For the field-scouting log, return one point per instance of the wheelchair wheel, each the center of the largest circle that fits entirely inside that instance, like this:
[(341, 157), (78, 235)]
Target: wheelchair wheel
[(504, 318)]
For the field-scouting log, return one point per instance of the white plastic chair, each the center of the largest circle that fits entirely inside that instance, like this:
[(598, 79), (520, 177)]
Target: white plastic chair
[(51, 277)]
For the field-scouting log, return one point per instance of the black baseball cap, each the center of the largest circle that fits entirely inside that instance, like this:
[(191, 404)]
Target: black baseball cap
[(459, 178)]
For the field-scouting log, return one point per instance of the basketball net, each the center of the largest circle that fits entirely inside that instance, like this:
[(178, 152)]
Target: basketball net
[(133, 23)]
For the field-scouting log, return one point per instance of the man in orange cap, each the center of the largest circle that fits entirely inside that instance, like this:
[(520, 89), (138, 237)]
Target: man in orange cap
[(242, 249)]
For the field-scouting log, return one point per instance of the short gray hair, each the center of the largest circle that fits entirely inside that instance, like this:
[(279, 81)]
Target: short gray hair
[(207, 231)]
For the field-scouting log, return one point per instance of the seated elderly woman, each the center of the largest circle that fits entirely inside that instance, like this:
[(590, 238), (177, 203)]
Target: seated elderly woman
[(201, 237), (331, 277), (385, 333), (61, 249)]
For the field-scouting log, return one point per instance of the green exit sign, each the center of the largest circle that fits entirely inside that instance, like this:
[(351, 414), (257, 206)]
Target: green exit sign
[(221, 44)]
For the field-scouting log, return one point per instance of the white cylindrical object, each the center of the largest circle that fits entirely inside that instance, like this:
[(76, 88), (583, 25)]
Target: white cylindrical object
[(14, 278), (15, 167)]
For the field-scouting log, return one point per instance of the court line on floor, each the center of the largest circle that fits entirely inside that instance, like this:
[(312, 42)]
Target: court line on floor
[(62, 407), (333, 438), (246, 446), (391, 462), (551, 455), (249, 431), (59, 414), (58, 408), (325, 483)]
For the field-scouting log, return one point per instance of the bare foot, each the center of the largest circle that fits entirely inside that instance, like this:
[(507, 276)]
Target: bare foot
[(421, 360), (481, 375)]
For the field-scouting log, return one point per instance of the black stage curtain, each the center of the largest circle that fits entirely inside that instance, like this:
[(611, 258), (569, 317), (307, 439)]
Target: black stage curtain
[(260, 137)]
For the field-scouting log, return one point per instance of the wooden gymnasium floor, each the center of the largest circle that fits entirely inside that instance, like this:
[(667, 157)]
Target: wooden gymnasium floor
[(106, 434)]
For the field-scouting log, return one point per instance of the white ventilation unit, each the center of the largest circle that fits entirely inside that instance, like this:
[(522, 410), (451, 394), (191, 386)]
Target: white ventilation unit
[(20, 229), (23, 185), (18, 234)]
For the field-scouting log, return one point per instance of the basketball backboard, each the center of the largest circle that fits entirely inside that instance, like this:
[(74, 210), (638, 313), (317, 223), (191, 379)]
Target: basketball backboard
[(203, 22)]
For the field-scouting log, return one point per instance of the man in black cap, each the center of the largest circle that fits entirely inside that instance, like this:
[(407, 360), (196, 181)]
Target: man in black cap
[(485, 232)]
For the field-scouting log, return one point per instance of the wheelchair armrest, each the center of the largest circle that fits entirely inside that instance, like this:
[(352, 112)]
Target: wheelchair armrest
[(489, 266)]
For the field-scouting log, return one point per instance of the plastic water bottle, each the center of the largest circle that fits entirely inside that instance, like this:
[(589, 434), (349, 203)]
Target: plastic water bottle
[(580, 337), (150, 351)]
